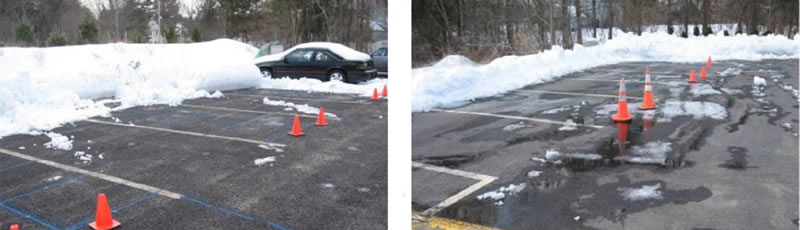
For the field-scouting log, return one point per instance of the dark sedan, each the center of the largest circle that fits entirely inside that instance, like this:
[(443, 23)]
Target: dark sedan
[(324, 61)]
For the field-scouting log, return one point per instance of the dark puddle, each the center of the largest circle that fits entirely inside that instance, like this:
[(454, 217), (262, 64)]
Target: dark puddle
[(738, 159), (451, 161), (555, 205)]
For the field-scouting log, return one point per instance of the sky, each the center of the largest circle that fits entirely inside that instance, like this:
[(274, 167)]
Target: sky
[(92, 4)]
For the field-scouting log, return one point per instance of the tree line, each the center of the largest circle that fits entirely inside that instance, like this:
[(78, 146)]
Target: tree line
[(66, 22), (484, 30)]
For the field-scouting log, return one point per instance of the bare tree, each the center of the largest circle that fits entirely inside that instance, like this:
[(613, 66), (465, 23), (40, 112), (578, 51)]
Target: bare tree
[(578, 25)]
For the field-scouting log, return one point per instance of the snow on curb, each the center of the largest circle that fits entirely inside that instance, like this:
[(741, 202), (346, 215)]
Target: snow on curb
[(456, 79)]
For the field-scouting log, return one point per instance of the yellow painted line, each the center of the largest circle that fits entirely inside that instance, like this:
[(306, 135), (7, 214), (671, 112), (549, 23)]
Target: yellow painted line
[(449, 224)]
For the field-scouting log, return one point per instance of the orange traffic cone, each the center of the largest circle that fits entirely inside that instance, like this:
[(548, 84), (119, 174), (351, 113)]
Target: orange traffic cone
[(14, 227), (384, 93), (622, 135), (692, 78), (102, 218), (709, 61), (648, 103), (622, 105), (321, 118), (703, 73), (375, 94), (296, 130)]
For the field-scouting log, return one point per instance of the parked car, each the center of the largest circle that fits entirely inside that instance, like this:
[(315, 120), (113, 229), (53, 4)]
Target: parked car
[(381, 59), (320, 60)]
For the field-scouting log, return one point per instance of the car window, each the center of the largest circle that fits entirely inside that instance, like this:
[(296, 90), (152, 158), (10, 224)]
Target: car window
[(321, 57), (379, 52), (300, 56)]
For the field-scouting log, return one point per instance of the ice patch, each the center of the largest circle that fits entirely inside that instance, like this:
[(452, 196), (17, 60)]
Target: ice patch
[(265, 160), (696, 109), (21, 148), (58, 141), (515, 126), (55, 178), (273, 146), (702, 89), (646, 192), (730, 71)]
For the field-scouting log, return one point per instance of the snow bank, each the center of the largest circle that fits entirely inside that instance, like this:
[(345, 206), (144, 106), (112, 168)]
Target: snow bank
[(646, 192), (313, 85), (42, 88), (456, 79)]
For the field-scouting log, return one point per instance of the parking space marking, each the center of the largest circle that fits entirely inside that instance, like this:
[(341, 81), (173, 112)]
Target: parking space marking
[(574, 94), (296, 98), (101, 176), (187, 133), (16, 166), (516, 118), (482, 179), (628, 81), (244, 110)]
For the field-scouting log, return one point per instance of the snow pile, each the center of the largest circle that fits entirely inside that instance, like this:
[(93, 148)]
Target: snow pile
[(501, 193), (265, 160), (58, 141), (650, 153), (696, 109), (646, 192), (304, 108), (363, 89), (457, 80), (42, 88), (757, 81)]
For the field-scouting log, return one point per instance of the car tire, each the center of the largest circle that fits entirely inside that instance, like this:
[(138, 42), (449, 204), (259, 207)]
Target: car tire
[(337, 75), (266, 72)]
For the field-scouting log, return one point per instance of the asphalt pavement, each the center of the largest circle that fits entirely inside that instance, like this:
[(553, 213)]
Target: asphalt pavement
[(718, 154), (193, 166)]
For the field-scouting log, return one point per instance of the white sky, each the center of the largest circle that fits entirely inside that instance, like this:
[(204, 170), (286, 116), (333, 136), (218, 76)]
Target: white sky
[(93, 3)]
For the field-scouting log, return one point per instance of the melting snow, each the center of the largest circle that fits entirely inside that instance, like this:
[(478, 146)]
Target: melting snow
[(569, 126), (502, 192), (515, 126), (264, 160), (646, 192), (58, 141), (304, 108), (696, 109), (273, 146), (650, 153), (83, 156), (553, 155), (534, 173), (759, 81)]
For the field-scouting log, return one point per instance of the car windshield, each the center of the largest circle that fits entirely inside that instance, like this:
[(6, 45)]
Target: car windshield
[(380, 52)]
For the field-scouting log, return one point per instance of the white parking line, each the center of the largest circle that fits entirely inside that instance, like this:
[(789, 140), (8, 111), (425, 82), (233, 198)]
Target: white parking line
[(295, 98), (576, 94), (516, 117), (483, 180), (617, 80), (187, 133), (101, 176), (244, 110)]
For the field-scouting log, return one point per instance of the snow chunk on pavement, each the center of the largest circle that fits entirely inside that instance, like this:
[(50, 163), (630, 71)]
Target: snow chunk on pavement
[(265, 160), (569, 126), (646, 192), (703, 89), (514, 126), (650, 153), (553, 155), (502, 192), (304, 108), (534, 173), (696, 109), (83, 156), (58, 141), (759, 81), (363, 89)]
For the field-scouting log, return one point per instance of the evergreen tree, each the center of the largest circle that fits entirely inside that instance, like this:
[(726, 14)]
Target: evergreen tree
[(172, 35), (87, 30), (196, 37), (696, 31), (24, 33), (56, 38)]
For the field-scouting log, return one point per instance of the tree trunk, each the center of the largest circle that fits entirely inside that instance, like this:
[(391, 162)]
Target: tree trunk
[(594, 18), (610, 19), (578, 25), (565, 32), (706, 14)]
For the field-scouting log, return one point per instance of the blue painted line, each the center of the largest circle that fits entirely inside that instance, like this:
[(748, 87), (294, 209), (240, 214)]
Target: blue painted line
[(29, 216), (276, 225), (204, 204), (47, 187), (16, 166), (85, 222), (231, 212), (762, 149)]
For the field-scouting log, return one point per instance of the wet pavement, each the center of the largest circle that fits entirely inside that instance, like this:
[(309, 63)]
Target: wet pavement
[(205, 150), (719, 154)]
